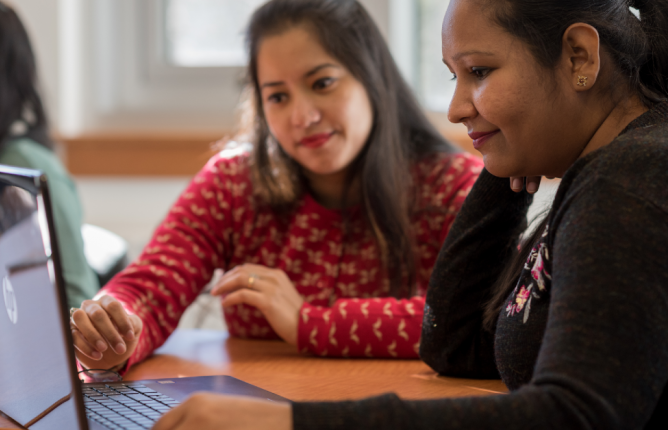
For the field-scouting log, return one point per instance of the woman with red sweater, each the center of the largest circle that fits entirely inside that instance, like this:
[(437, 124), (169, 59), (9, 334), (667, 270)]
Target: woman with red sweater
[(327, 228)]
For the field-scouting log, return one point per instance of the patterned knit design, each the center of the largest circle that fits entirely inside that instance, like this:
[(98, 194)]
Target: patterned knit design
[(347, 312)]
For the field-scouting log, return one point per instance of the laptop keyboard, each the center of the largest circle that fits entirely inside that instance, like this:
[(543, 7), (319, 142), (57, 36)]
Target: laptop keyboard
[(125, 406)]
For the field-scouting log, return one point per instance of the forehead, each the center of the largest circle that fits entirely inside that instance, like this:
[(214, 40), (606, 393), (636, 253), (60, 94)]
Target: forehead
[(290, 54), (467, 27)]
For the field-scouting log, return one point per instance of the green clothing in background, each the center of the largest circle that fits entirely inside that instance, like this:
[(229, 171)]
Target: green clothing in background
[(80, 280)]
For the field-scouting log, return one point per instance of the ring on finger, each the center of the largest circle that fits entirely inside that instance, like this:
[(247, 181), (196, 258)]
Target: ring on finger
[(72, 311), (251, 280)]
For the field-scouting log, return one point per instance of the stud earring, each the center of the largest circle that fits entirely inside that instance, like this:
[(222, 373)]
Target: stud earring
[(582, 81)]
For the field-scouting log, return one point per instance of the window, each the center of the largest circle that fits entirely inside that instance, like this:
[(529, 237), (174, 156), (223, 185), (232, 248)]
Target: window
[(207, 33), (435, 84)]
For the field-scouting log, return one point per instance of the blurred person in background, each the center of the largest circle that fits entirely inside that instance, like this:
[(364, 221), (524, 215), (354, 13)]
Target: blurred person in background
[(327, 228), (25, 142)]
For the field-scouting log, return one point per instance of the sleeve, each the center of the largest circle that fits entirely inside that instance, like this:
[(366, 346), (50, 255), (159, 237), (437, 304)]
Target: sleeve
[(480, 244), (603, 363), (381, 328), (179, 260), (387, 327)]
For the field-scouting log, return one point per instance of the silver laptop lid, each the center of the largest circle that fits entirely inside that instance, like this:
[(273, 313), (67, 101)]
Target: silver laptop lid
[(38, 377)]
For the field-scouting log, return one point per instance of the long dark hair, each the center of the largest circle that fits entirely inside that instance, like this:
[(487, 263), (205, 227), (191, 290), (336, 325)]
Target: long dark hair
[(638, 49), (19, 99), (400, 133)]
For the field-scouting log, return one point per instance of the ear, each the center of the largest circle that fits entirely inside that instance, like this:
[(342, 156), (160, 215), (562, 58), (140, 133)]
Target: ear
[(581, 56)]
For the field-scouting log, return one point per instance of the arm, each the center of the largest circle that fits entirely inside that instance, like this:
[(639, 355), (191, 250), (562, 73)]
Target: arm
[(603, 363), (179, 260), (173, 268), (480, 243), (387, 327)]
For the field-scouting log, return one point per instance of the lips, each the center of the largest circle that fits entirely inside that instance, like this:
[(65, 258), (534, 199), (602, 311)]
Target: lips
[(480, 137), (315, 140)]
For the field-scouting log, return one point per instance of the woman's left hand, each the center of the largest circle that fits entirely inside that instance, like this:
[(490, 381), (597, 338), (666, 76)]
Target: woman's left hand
[(205, 411), (269, 290)]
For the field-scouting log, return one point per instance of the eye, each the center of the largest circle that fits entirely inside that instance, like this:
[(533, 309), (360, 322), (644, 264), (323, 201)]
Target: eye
[(323, 83), (480, 72), (276, 97)]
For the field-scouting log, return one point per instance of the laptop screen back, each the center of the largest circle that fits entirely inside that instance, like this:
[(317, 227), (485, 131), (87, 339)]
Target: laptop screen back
[(35, 373)]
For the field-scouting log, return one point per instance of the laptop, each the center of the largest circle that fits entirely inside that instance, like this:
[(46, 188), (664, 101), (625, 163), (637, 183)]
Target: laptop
[(39, 380)]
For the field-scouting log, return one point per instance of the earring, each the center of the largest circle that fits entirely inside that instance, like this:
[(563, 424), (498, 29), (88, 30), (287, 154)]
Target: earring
[(582, 81)]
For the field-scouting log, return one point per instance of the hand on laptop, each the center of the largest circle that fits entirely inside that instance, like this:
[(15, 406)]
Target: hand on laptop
[(269, 290), (205, 411), (105, 335)]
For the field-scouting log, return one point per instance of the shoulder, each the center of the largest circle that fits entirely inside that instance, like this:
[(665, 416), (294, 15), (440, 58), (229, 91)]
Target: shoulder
[(628, 171), (232, 163), (25, 152), (440, 168), (634, 162), (442, 177)]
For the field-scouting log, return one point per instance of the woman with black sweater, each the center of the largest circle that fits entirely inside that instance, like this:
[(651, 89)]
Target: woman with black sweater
[(576, 322)]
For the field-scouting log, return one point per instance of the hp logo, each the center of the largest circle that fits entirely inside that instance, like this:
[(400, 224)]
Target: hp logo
[(10, 300)]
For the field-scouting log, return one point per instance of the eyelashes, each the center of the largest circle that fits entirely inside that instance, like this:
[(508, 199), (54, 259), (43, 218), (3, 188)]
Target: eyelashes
[(478, 72)]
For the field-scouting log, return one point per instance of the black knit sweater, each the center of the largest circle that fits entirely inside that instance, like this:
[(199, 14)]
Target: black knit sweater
[(582, 342)]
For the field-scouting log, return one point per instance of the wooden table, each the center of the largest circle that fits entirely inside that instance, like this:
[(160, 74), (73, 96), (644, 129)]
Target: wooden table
[(277, 367)]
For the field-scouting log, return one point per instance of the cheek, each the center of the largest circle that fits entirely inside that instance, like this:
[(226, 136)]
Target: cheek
[(278, 125)]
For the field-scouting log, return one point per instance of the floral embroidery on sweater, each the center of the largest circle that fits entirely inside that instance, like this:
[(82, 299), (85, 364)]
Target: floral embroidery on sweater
[(533, 280)]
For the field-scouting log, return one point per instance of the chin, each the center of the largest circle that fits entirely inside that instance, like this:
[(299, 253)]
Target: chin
[(501, 168), (323, 170)]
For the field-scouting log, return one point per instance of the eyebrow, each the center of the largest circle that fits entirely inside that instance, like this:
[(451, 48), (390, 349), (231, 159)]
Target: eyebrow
[(311, 72), (467, 53)]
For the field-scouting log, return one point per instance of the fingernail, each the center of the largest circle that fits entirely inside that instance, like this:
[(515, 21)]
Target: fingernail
[(517, 184), (532, 187), (120, 348), (96, 355), (100, 346), (130, 335)]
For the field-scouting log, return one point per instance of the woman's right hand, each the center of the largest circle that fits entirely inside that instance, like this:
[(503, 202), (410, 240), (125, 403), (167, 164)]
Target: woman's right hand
[(104, 334), (532, 183)]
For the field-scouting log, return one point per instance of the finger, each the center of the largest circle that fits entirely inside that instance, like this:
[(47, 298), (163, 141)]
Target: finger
[(516, 183), (245, 296), (137, 325), (99, 318), (240, 279), (82, 346), (230, 272), (172, 419), (87, 329), (118, 315), (533, 183), (232, 283)]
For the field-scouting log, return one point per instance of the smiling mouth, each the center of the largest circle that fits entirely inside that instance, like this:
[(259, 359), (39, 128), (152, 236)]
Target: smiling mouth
[(316, 140), (479, 138)]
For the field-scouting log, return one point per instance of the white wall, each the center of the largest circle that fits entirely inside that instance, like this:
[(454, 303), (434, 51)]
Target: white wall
[(41, 20)]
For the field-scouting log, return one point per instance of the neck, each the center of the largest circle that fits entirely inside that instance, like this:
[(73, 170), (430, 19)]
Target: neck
[(619, 117), (328, 189)]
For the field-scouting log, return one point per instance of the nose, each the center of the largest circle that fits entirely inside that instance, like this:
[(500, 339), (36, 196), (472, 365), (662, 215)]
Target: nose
[(461, 107), (305, 113)]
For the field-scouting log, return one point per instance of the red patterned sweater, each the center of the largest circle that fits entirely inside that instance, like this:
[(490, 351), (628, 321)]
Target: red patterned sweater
[(214, 224)]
